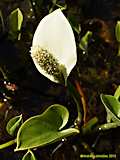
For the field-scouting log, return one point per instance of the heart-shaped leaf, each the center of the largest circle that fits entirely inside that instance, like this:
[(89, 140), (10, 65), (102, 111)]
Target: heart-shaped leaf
[(112, 106), (29, 156), (14, 124), (44, 129)]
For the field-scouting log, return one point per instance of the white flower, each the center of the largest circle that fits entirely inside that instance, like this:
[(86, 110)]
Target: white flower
[(53, 48)]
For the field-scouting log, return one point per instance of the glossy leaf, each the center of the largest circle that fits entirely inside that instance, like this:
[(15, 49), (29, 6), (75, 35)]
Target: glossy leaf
[(44, 129), (112, 106), (117, 31), (109, 126), (14, 124), (15, 22), (117, 93), (29, 156)]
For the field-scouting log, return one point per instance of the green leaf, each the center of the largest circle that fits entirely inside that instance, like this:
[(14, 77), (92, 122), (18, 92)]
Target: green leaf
[(29, 156), (85, 40), (109, 126), (117, 31), (14, 124), (44, 129), (112, 106), (15, 22), (117, 93)]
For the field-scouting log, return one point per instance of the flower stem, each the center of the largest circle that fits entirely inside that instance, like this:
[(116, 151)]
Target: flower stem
[(75, 95), (82, 96), (79, 117), (7, 144)]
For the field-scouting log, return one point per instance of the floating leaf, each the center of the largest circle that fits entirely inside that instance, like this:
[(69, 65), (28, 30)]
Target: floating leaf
[(15, 22), (14, 124), (44, 129), (117, 93), (29, 156), (112, 106)]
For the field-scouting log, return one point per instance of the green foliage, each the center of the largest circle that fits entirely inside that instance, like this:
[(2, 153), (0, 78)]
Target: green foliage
[(112, 106), (60, 4), (117, 34), (14, 124), (117, 93), (44, 129), (108, 126), (117, 31), (93, 74), (29, 156), (85, 40), (15, 23)]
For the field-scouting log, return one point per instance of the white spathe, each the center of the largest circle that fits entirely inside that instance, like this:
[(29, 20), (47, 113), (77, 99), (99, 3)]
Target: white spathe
[(55, 35)]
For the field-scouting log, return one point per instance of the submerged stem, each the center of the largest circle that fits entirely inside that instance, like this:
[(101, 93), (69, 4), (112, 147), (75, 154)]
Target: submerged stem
[(7, 144)]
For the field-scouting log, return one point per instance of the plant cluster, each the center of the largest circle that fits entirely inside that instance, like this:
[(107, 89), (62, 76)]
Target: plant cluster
[(54, 53)]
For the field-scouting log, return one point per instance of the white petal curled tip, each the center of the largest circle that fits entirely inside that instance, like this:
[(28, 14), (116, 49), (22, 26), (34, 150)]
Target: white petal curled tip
[(55, 35)]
